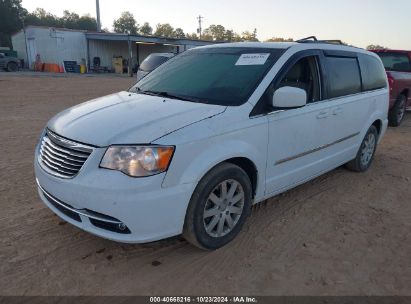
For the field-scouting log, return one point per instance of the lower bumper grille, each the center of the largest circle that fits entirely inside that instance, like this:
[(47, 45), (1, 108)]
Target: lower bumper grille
[(63, 208), (119, 228), (99, 220)]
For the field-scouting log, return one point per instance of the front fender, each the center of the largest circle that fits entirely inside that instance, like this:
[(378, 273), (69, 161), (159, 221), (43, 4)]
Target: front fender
[(193, 160)]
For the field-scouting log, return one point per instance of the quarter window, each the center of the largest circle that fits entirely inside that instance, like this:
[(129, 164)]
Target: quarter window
[(343, 76), (372, 72)]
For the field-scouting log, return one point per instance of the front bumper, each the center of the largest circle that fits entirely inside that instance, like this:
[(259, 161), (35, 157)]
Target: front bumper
[(105, 199)]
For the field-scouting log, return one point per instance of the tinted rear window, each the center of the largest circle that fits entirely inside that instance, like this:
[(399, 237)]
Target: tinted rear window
[(152, 62), (343, 76), (395, 61), (372, 72)]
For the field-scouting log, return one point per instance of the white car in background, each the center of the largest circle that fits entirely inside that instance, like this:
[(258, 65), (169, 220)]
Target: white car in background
[(152, 62), (212, 131)]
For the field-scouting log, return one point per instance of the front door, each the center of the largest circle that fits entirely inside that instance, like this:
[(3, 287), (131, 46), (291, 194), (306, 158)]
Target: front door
[(300, 139)]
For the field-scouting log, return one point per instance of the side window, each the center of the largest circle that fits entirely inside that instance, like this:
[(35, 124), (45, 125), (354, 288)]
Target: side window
[(304, 75), (395, 61), (343, 76), (372, 72)]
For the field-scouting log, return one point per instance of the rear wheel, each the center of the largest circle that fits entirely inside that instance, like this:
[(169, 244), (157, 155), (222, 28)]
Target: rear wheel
[(365, 154), (12, 67), (218, 207), (397, 112)]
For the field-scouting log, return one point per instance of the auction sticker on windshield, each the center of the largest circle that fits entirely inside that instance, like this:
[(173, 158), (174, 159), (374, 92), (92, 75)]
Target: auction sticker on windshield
[(252, 59)]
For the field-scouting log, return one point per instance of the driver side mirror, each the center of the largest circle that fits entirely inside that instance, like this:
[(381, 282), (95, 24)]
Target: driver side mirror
[(289, 98)]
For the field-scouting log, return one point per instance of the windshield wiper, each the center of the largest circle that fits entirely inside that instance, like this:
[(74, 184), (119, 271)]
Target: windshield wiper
[(168, 95)]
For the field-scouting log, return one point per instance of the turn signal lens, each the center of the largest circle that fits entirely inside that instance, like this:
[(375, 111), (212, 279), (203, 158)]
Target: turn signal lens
[(164, 157)]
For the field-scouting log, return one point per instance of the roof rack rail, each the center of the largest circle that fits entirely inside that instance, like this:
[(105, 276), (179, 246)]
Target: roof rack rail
[(313, 39), (308, 39)]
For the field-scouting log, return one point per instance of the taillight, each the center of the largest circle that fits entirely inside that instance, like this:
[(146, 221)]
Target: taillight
[(390, 81)]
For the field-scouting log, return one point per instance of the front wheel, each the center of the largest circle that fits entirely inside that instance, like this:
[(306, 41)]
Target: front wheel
[(12, 67), (365, 154), (218, 207), (397, 113)]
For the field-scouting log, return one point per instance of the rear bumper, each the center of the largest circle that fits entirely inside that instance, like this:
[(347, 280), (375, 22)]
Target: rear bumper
[(103, 202)]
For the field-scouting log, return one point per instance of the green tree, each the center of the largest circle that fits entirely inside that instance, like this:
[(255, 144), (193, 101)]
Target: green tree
[(372, 47), (146, 29), (231, 36), (206, 35), (179, 33), (279, 39), (41, 17), (11, 16), (216, 31), (70, 19), (126, 24), (164, 30), (249, 36), (88, 23), (192, 36)]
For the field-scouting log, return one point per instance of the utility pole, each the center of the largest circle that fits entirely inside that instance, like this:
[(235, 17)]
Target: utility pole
[(200, 20), (98, 16)]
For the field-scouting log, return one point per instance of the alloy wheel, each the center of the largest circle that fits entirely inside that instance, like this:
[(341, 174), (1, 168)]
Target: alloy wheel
[(401, 110), (368, 149), (223, 208)]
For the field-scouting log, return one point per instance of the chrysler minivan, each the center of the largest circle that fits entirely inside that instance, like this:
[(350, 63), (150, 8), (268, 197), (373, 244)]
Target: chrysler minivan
[(193, 145)]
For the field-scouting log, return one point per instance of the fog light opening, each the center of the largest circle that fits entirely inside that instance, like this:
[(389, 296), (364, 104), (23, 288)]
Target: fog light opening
[(122, 227)]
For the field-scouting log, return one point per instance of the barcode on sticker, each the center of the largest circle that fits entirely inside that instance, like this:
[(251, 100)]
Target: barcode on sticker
[(252, 59)]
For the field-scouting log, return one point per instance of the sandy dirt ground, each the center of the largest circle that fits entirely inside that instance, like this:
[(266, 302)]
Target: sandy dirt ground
[(343, 233)]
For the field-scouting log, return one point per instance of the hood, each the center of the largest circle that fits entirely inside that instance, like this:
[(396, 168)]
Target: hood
[(128, 118)]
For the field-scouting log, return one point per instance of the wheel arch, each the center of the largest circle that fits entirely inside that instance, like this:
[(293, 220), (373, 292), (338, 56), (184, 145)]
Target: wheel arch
[(193, 167), (248, 166), (405, 92), (378, 124)]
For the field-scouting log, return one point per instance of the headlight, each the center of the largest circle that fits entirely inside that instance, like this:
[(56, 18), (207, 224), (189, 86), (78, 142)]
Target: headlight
[(138, 161)]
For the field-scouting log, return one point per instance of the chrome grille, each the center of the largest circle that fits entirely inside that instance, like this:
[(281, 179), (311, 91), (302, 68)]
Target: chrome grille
[(62, 157)]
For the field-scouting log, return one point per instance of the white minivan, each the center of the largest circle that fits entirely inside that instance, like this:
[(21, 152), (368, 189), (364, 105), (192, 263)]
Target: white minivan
[(212, 131)]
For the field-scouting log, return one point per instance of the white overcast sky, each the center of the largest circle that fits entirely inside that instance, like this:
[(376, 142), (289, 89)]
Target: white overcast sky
[(358, 22)]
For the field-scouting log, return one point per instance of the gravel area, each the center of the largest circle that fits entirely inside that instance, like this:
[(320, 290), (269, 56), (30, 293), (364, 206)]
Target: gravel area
[(343, 233)]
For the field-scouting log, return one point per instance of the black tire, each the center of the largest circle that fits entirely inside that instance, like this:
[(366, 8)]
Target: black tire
[(359, 164), (397, 113), (12, 66), (195, 225)]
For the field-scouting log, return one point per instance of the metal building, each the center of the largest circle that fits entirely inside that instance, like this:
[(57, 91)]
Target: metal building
[(56, 45)]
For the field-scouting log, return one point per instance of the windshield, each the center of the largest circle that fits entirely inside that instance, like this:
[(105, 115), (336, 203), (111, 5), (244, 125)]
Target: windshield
[(222, 76), (395, 62)]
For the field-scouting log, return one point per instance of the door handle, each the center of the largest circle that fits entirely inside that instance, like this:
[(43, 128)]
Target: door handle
[(337, 111), (322, 114)]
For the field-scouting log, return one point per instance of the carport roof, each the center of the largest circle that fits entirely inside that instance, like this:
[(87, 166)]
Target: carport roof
[(147, 39)]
